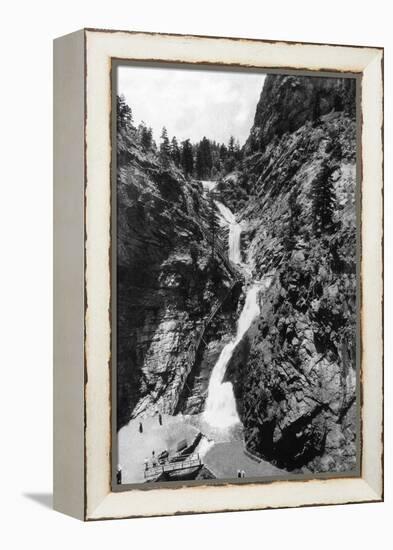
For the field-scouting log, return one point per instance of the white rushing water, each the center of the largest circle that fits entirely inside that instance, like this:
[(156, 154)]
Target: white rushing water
[(208, 185), (220, 408), (234, 233)]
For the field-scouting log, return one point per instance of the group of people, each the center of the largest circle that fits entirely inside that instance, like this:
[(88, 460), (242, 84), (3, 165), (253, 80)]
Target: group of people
[(153, 460), (159, 421), (241, 473)]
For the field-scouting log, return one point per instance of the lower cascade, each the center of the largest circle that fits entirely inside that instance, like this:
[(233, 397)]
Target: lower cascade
[(220, 410)]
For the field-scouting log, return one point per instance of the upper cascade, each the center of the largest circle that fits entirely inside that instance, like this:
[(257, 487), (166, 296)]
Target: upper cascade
[(235, 230)]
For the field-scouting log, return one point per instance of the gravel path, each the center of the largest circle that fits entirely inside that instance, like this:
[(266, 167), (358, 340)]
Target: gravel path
[(225, 459)]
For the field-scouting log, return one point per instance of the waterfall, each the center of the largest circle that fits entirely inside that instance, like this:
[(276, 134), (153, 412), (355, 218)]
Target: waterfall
[(220, 409), (208, 185), (235, 230)]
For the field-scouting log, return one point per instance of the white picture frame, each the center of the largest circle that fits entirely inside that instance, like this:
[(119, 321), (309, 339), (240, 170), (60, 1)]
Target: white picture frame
[(82, 244)]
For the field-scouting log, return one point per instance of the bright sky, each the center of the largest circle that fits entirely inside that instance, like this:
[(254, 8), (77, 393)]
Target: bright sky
[(192, 103)]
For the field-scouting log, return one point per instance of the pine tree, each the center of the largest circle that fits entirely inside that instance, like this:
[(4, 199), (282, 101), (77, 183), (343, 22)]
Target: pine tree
[(233, 155), (207, 156), (187, 159), (124, 113), (147, 138), (231, 145), (237, 152), (223, 152), (216, 166), (175, 151), (199, 163), (323, 199), (165, 149), (204, 159)]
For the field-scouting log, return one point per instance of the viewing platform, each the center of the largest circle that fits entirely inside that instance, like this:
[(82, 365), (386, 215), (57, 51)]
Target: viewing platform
[(177, 468)]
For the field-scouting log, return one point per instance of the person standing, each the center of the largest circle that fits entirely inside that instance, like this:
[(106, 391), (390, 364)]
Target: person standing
[(160, 419), (140, 427)]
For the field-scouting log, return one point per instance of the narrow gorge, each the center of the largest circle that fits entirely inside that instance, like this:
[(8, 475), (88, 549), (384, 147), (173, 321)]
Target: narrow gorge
[(236, 295)]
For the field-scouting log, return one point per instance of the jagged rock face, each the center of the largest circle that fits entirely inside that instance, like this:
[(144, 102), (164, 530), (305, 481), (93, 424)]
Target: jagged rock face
[(288, 102), (166, 280), (295, 377), (219, 332)]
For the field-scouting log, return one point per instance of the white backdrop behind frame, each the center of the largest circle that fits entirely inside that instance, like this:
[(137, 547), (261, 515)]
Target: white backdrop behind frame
[(97, 501)]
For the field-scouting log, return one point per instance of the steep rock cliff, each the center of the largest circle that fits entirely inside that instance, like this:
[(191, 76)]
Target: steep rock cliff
[(295, 376), (167, 279), (288, 102)]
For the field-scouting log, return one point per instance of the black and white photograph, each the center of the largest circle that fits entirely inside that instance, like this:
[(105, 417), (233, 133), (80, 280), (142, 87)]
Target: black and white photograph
[(236, 274), (197, 283)]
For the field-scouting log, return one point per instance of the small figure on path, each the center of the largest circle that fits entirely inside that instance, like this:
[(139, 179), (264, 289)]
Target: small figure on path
[(140, 427), (243, 473), (118, 474), (160, 419), (146, 463), (239, 474)]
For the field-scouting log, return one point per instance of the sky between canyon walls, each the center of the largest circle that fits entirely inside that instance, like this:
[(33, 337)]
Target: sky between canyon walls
[(192, 103)]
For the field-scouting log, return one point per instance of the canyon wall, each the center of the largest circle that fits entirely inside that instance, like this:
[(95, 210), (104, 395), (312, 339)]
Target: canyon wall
[(295, 373), (167, 281)]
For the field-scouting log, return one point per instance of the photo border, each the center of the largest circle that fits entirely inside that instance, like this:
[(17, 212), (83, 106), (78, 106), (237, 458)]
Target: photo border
[(356, 472)]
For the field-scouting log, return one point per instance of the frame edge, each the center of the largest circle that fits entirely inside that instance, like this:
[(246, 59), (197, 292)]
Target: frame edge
[(68, 272)]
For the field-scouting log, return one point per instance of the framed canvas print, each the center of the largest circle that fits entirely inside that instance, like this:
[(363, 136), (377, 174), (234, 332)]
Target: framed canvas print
[(218, 274)]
